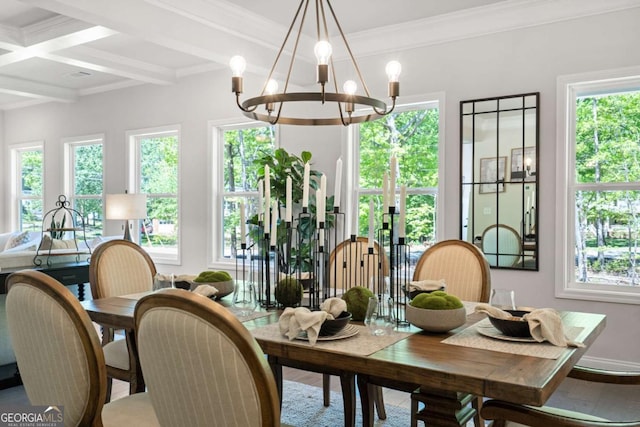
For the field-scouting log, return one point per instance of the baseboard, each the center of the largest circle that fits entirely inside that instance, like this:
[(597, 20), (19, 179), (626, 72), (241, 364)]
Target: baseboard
[(609, 364)]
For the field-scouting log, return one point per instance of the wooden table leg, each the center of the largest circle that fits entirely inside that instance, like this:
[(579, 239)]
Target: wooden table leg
[(442, 408), (276, 368), (348, 385), (366, 400)]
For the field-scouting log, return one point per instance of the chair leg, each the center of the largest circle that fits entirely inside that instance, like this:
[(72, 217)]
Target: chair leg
[(109, 386), (477, 418), (414, 413), (326, 389), (378, 398)]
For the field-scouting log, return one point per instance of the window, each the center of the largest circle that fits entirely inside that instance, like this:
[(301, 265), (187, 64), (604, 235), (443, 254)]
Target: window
[(154, 157), (412, 135), (28, 180), (599, 225), (84, 180), (236, 148)]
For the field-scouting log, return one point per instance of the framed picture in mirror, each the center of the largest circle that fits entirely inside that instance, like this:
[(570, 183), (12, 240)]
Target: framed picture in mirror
[(492, 173), (523, 166)]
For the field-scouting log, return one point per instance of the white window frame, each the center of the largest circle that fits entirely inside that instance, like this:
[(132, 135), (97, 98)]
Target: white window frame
[(70, 172), (216, 131), (16, 189), (353, 161), (568, 89), (133, 137)]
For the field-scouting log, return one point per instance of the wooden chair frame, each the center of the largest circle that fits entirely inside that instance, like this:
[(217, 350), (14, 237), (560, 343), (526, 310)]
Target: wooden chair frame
[(220, 318), (134, 374)]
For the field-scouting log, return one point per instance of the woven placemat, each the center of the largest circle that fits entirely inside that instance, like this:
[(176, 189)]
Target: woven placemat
[(470, 337), (361, 344)]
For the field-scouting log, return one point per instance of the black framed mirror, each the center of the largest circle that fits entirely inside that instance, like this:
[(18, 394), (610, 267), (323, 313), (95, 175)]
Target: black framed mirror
[(499, 178)]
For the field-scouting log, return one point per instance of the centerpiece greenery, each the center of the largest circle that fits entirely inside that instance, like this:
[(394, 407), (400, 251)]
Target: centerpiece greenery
[(294, 256)]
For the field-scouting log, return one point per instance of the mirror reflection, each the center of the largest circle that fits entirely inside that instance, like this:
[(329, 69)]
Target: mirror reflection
[(499, 166)]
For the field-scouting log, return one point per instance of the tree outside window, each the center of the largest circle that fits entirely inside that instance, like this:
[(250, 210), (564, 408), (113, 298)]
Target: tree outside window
[(412, 136), (29, 180), (85, 177), (242, 145), (607, 188), (156, 156)]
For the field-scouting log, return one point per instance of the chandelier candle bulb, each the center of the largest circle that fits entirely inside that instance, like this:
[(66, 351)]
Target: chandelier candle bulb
[(371, 222), (267, 198), (274, 223), (403, 212), (243, 225), (305, 187), (287, 210), (392, 182), (338, 186)]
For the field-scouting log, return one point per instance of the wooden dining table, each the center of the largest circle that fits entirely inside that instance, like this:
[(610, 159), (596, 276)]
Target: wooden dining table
[(417, 357)]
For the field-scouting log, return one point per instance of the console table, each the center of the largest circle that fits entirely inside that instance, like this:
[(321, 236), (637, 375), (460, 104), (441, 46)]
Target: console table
[(72, 273)]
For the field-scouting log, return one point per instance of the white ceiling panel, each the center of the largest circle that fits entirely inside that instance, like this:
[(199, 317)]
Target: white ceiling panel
[(60, 50)]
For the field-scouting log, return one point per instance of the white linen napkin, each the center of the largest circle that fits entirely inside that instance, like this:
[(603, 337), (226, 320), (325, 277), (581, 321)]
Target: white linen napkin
[(295, 320), (492, 311), (426, 285), (545, 324), (334, 306), (206, 290)]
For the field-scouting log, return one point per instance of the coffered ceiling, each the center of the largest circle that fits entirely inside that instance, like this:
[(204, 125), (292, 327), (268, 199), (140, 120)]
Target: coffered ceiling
[(61, 50)]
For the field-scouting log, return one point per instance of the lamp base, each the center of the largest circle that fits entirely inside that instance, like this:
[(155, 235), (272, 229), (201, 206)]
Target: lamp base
[(127, 234)]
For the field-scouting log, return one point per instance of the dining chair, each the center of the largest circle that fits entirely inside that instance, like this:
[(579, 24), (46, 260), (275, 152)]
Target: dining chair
[(202, 366), (502, 245), (351, 264), (60, 358), (511, 415), (120, 267), (467, 275)]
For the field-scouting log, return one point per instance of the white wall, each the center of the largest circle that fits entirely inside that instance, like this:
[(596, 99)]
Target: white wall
[(528, 60)]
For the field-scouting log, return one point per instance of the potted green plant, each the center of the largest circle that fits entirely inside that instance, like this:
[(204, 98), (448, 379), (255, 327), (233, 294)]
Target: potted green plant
[(436, 312)]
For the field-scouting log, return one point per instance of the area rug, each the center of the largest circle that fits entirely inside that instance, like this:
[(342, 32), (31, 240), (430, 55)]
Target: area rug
[(302, 407)]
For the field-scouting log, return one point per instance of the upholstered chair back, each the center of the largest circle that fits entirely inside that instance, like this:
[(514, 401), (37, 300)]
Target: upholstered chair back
[(202, 367), (120, 267), (463, 267), (502, 245), (56, 347), (350, 264)]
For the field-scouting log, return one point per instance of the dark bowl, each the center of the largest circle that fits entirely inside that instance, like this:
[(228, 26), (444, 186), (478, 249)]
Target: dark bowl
[(332, 327), (512, 328)]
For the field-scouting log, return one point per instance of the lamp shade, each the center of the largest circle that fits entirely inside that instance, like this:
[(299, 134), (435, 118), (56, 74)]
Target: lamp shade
[(126, 206)]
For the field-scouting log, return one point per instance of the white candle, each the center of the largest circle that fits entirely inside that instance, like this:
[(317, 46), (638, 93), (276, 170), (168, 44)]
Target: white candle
[(260, 200), (528, 203), (403, 208), (305, 185), (319, 207), (243, 225), (321, 237), (274, 223), (392, 181), (288, 207), (323, 196), (371, 222), (354, 220), (385, 195), (336, 192)]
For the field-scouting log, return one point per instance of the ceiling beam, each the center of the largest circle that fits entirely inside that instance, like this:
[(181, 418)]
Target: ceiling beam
[(29, 89)]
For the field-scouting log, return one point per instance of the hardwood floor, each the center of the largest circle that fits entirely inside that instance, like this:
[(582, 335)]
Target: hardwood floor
[(609, 401)]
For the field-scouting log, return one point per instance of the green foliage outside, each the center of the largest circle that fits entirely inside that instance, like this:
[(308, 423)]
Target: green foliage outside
[(608, 221), (31, 176), (413, 137)]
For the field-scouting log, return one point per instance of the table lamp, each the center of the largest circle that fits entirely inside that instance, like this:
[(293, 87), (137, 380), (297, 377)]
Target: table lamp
[(126, 207)]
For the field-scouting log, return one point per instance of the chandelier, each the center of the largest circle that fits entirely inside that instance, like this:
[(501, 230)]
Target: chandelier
[(272, 102)]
